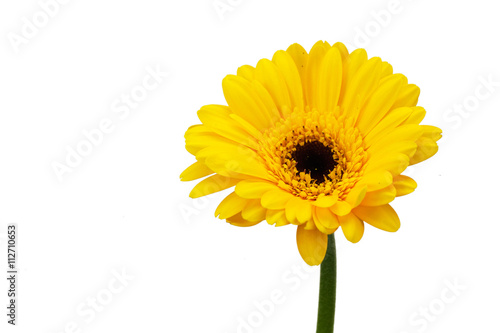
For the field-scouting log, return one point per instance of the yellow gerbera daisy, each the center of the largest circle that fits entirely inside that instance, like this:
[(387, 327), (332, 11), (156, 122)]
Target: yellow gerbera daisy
[(318, 140)]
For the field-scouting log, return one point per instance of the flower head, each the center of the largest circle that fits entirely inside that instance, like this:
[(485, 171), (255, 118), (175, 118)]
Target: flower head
[(318, 140)]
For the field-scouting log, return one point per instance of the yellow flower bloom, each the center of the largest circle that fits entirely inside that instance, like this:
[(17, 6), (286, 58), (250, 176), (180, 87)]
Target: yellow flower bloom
[(316, 140)]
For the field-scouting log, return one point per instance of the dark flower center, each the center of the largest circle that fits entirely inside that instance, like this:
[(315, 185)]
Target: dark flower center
[(314, 158)]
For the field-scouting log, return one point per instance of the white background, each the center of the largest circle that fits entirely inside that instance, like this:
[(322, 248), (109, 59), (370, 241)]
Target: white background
[(123, 207)]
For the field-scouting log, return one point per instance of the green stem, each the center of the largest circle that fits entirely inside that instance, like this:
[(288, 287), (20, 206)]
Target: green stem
[(327, 289)]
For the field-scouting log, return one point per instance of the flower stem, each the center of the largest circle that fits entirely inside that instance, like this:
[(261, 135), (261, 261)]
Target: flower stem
[(327, 289)]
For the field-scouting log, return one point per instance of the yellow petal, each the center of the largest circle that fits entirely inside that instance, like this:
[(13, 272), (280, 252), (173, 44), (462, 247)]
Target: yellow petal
[(196, 129), (246, 126), (404, 185), (253, 211), (199, 141), (379, 103), (380, 197), (195, 171), (298, 211), (326, 201), (356, 195), (284, 61), (408, 96), (417, 115), (322, 228), (330, 80), (216, 117), (312, 73), (342, 50), (389, 123), (399, 147), (395, 163), (352, 227), (253, 189), (341, 208), (211, 185), (245, 102), (356, 59), (426, 148), (309, 225), (386, 69), (410, 132), (291, 210), (275, 199), (266, 102), (228, 160), (361, 86), (377, 180), (381, 217), (300, 58), (426, 144), (304, 211), (247, 72), (276, 217), (239, 221), (326, 218), (273, 80), (230, 206), (312, 245), (432, 132)]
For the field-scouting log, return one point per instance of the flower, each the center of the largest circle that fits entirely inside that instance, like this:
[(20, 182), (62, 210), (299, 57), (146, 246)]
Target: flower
[(315, 140)]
